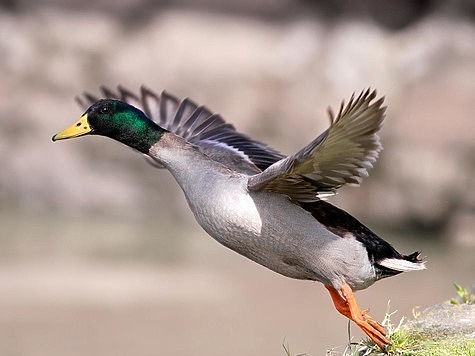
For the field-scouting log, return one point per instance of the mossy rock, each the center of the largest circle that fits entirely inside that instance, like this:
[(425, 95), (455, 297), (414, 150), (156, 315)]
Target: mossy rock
[(441, 330)]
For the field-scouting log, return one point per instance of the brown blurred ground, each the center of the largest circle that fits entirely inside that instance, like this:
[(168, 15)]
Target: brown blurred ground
[(99, 253)]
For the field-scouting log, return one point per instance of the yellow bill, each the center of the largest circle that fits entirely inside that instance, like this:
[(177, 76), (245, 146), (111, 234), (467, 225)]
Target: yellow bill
[(79, 128)]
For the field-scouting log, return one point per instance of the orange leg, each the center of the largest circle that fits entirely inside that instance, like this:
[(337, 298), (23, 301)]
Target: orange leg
[(347, 306)]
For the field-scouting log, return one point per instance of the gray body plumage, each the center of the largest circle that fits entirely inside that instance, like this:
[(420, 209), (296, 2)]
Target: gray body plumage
[(267, 228)]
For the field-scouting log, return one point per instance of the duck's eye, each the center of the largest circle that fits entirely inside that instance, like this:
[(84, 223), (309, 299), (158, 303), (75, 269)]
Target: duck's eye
[(105, 110)]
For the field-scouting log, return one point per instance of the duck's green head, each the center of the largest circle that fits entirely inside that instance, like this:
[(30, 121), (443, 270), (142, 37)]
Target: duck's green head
[(117, 120)]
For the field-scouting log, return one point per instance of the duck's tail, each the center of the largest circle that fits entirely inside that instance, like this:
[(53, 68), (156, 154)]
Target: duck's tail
[(406, 263)]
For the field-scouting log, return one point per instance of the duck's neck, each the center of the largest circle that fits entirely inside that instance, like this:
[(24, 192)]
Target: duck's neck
[(190, 167)]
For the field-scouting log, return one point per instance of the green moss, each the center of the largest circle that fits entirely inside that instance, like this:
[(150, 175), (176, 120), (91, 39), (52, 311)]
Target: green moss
[(409, 340), (435, 332), (406, 342)]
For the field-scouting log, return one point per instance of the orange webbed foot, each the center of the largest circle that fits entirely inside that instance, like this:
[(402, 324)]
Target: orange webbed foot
[(345, 303)]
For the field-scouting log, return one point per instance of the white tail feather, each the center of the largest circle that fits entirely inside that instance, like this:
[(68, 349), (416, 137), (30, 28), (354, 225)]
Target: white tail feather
[(402, 265)]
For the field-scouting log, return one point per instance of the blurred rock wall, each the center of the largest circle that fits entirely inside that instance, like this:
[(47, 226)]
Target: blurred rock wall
[(271, 69)]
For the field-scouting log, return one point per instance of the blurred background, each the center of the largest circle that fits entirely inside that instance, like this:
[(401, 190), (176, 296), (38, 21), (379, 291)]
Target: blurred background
[(99, 254)]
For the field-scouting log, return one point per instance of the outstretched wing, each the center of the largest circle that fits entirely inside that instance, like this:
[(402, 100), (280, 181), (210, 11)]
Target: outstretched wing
[(197, 125), (340, 155)]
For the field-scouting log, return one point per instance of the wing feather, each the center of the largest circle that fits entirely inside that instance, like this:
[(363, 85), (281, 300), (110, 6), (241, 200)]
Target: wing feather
[(341, 155)]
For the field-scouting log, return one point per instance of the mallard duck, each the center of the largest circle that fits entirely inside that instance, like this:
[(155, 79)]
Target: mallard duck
[(254, 200)]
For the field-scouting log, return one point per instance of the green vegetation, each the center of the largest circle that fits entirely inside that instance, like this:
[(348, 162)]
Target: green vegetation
[(465, 297), (412, 340), (287, 350), (406, 342)]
